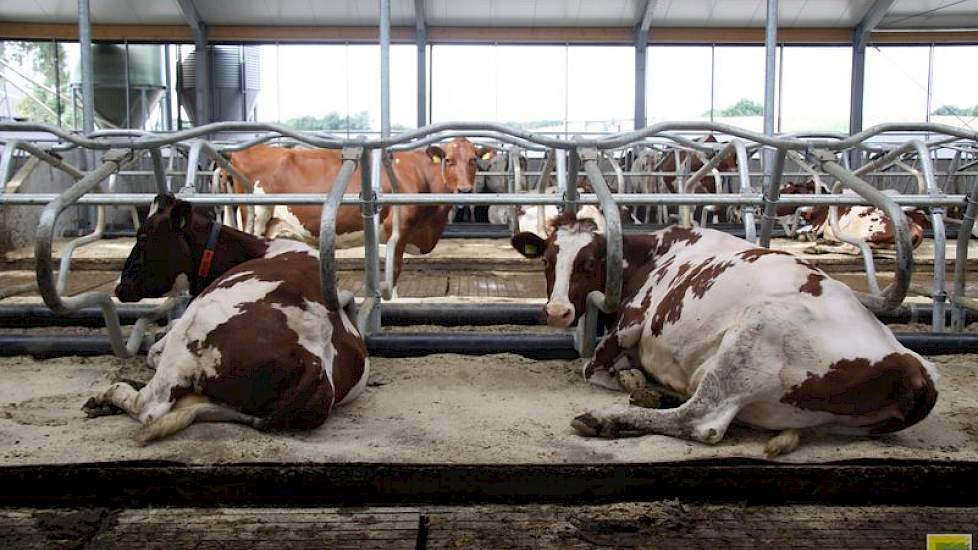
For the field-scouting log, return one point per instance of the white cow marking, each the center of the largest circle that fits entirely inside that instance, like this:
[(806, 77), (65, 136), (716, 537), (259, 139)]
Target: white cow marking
[(569, 243)]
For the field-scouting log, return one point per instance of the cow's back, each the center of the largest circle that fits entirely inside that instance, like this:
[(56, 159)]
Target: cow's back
[(261, 327), (711, 283)]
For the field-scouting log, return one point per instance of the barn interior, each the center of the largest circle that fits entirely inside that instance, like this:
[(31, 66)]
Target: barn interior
[(463, 433)]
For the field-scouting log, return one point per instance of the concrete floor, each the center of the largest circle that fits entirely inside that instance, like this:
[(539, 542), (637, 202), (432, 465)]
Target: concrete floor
[(440, 409)]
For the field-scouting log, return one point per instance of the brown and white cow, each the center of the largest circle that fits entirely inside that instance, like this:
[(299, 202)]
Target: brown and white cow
[(745, 333), (256, 345), (866, 223), (447, 169)]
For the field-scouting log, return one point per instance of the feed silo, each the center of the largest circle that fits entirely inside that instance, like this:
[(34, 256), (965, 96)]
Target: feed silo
[(235, 82), (146, 83)]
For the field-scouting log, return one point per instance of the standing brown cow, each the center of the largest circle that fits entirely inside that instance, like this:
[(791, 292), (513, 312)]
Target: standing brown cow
[(447, 169)]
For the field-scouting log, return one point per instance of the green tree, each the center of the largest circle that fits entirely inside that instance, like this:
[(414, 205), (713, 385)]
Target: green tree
[(332, 121), (47, 61), (743, 107), (954, 110), (533, 124)]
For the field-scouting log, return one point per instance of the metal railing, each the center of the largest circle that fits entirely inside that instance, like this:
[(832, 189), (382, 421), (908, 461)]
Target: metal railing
[(123, 145)]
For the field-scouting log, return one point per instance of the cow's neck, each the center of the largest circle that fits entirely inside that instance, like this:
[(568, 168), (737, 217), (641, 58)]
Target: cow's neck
[(233, 247)]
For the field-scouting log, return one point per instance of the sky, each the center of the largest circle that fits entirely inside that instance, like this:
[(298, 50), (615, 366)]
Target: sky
[(590, 88)]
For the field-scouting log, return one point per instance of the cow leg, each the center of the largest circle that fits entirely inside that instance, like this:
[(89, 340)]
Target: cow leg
[(119, 397), (705, 417)]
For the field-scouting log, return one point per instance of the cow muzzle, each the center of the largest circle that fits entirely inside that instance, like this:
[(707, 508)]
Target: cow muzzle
[(127, 293), (560, 315)]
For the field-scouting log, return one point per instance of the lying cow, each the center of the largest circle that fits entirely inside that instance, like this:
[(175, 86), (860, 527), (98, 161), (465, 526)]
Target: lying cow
[(745, 333), (865, 223), (256, 346), (435, 170)]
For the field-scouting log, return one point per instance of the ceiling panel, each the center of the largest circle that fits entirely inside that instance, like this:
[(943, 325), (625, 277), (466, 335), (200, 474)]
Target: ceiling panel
[(529, 13)]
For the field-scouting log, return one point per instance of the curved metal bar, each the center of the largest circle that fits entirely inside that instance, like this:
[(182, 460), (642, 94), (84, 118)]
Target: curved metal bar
[(146, 141), (893, 295), (387, 288), (771, 195), (513, 187), (939, 294), (43, 241), (864, 251), (961, 257), (327, 230), (609, 300), (7, 160)]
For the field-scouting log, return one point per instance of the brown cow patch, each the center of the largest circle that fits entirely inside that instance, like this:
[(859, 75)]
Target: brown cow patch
[(754, 254), (698, 280), (813, 284), (675, 235), (897, 383)]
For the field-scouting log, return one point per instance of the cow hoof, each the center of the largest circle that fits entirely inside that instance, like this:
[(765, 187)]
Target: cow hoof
[(646, 399), (136, 385), (590, 426), (94, 408)]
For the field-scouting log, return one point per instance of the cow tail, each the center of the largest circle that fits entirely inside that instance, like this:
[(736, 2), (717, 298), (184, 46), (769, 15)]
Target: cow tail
[(783, 443), (187, 410)]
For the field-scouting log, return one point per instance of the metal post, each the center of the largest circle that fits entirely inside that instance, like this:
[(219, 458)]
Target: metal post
[(57, 81), (641, 64), (202, 74), (167, 92), (770, 74), (385, 68), (860, 37), (125, 71), (88, 83), (369, 321), (421, 40)]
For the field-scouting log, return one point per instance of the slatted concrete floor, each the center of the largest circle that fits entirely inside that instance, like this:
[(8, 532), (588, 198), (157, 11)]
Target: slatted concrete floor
[(665, 525)]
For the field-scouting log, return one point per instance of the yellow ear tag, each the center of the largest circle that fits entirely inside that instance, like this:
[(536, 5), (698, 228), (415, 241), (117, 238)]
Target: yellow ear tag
[(436, 160), (486, 156), (530, 249)]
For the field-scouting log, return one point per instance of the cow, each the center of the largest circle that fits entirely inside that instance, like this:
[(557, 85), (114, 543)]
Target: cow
[(492, 183), (865, 223), (678, 161), (437, 169), (256, 345), (741, 332)]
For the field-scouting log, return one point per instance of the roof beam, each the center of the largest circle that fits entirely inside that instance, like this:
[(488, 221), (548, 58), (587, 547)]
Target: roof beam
[(873, 16), (420, 17), (643, 20), (192, 16)]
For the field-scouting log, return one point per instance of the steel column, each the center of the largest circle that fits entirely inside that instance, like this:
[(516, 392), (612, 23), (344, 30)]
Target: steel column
[(88, 83), (641, 63), (202, 76), (860, 37), (421, 40), (385, 68), (770, 74)]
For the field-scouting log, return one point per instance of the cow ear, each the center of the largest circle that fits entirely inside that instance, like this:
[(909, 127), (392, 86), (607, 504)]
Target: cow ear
[(485, 153), (529, 244), (180, 215), (435, 153)]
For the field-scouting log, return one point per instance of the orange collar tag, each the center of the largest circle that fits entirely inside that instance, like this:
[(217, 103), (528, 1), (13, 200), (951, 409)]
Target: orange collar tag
[(205, 263)]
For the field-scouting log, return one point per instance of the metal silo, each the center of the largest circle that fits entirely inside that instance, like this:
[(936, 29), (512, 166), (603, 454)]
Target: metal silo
[(145, 72), (235, 82)]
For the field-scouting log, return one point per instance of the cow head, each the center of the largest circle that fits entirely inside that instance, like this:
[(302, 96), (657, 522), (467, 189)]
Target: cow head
[(574, 262), (162, 260), (806, 188), (459, 163)]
